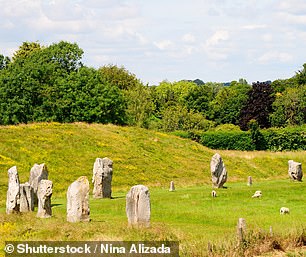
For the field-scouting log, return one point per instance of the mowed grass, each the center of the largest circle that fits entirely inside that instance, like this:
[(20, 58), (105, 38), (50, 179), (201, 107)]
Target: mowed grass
[(151, 158)]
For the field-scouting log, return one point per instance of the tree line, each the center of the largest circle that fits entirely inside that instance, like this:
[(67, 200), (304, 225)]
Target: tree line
[(50, 83)]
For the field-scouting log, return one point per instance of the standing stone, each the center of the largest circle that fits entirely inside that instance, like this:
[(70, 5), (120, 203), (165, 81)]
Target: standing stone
[(102, 178), (13, 194), (250, 182), (26, 197), (241, 229), (44, 193), (78, 200), (172, 188), (218, 171), (295, 170), (38, 172), (138, 208)]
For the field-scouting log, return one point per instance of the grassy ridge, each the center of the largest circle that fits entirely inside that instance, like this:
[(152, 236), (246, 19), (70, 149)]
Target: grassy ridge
[(188, 215), (140, 156)]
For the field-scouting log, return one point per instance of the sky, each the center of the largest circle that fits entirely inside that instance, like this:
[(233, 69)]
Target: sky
[(211, 40)]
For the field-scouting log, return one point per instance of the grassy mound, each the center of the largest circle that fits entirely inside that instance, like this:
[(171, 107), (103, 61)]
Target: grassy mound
[(140, 156), (188, 215)]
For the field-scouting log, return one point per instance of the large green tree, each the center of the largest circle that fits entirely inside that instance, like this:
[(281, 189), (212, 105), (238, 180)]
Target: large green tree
[(51, 84), (226, 106)]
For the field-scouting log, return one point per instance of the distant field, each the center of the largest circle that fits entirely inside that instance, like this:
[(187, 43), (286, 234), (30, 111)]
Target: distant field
[(151, 158)]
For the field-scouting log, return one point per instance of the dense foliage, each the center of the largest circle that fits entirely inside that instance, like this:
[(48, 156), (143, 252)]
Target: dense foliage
[(274, 139), (50, 83)]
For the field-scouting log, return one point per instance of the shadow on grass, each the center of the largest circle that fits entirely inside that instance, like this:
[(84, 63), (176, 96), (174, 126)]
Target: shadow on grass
[(117, 197), (56, 204)]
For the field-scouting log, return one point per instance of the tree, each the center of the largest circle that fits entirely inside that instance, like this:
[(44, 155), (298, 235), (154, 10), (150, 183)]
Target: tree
[(301, 76), (198, 99), (4, 61), (25, 50), (51, 84), (140, 106), (289, 107), (226, 106), (119, 76), (258, 105)]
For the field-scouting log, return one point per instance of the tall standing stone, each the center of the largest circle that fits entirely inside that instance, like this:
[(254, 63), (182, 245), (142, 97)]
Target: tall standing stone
[(250, 182), (44, 193), (295, 170), (172, 188), (38, 172), (241, 229), (26, 197), (138, 208), (218, 171), (78, 200), (102, 178), (13, 192)]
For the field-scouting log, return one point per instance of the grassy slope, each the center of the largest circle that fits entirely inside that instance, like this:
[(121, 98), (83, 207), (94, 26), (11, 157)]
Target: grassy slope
[(140, 156), (151, 158)]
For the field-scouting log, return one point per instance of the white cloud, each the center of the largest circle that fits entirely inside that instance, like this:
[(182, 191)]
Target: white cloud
[(273, 56), (217, 37), (139, 34), (164, 44), (188, 38), (292, 6), (254, 26)]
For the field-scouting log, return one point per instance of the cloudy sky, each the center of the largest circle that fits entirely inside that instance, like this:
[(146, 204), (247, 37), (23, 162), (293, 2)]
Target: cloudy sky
[(213, 40)]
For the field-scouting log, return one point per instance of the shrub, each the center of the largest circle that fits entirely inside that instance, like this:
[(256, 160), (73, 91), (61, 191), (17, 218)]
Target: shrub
[(273, 139), (228, 140), (282, 139)]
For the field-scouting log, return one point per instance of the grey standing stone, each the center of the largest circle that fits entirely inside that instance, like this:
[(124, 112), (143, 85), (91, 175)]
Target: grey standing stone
[(44, 193), (172, 188), (295, 170), (102, 178), (138, 207), (26, 197), (218, 171), (78, 200), (13, 192), (250, 182), (38, 172), (241, 229)]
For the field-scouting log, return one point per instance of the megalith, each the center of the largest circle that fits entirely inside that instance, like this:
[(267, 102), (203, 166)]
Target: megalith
[(250, 181), (138, 208), (13, 192), (78, 200), (172, 187), (218, 171), (38, 172), (26, 197), (241, 229), (295, 170), (102, 178), (44, 193)]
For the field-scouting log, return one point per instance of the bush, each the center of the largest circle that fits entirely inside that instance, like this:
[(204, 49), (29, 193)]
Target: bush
[(285, 139), (228, 140), (273, 139)]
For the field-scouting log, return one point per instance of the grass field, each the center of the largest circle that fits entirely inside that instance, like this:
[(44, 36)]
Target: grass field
[(188, 215)]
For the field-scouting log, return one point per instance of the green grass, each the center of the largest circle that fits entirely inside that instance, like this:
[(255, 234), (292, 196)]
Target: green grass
[(151, 158)]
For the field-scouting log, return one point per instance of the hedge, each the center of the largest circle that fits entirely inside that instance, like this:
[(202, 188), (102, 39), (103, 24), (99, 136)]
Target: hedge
[(273, 139)]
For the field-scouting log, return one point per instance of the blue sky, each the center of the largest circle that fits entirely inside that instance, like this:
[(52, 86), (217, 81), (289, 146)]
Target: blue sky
[(213, 40)]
